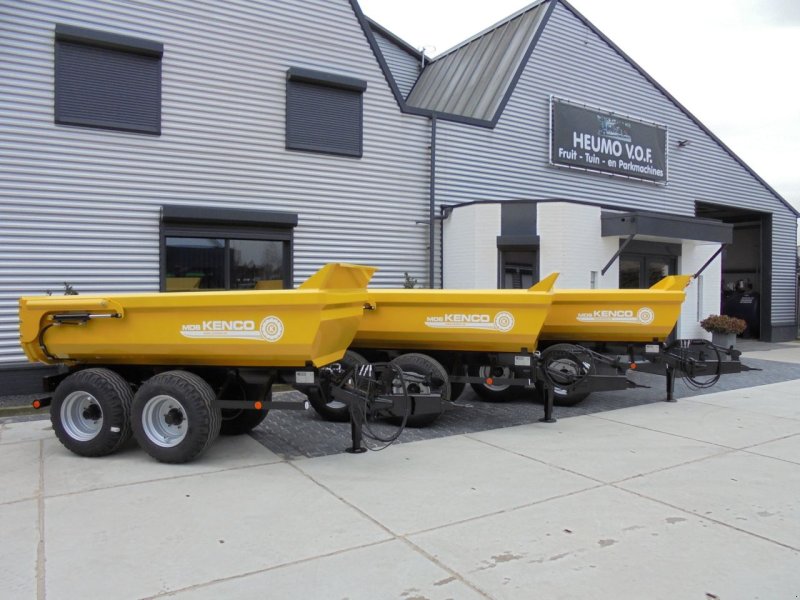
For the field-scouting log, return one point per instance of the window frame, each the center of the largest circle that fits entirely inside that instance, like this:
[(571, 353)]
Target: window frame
[(110, 41), (228, 224), (324, 80)]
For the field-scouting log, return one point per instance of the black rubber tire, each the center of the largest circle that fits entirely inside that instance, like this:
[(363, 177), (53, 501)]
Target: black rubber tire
[(238, 422), (428, 367), (570, 398), (489, 394), (112, 396), (197, 400), (320, 396)]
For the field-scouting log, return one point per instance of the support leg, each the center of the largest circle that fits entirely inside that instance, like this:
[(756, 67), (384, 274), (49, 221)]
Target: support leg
[(355, 435), (548, 406), (670, 383)]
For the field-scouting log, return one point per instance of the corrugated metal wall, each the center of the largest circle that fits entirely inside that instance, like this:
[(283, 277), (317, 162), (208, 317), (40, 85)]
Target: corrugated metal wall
[(511, 161), (81, 205), (404, 67)]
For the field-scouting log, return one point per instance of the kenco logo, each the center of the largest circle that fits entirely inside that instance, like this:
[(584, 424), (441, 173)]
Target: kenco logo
[(502, 321), (643, 316), (270, 329)]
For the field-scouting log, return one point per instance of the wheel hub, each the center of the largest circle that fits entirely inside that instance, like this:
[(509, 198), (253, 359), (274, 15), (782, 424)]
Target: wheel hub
[(164, 421), (92, 412), (173, 417), (81, 416)]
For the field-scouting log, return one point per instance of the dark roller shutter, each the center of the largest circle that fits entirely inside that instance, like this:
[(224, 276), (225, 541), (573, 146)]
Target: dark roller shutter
[(106, 87), (323, 118)]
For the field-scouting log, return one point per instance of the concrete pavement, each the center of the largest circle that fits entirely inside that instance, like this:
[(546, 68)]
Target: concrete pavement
[(698, 499)]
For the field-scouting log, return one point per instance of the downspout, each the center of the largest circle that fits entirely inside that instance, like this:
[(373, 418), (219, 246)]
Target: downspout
[(432, 205)]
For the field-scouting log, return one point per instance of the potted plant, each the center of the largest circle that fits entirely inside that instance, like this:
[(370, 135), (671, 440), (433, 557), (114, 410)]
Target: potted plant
[(723, 329)]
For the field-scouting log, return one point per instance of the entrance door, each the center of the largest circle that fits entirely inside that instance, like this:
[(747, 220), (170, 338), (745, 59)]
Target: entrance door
[(640, 271), (519, 269)]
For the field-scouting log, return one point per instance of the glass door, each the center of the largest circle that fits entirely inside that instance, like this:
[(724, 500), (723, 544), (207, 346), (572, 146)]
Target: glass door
[(640, 271)]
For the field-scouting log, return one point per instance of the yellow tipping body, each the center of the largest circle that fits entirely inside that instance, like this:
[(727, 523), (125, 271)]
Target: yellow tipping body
[(270, 328), (616, 315), (469, 320)]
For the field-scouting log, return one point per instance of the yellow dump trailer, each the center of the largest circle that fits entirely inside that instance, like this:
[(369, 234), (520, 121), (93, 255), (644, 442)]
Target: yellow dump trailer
[(616, 315), (461, 320), (270, 328), (488, 338), (177, 369)]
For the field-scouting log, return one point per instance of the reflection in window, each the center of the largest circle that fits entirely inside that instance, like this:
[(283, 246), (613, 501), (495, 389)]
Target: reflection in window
[(657, 269), (195, 263), (256, 264), (629, 269)]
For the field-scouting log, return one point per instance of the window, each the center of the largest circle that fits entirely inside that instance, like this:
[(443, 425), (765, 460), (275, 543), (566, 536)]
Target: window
[(324, 112), (223, 249), (520, 269), (107, 81), (518, 253), (644, 263)]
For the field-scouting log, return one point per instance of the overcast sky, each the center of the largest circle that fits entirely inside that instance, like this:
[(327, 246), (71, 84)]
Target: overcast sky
[(732, 63)]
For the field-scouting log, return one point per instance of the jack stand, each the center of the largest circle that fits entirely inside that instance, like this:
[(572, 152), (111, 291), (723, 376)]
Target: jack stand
[(355, 435), (548, 405), (355, 418), (670, 383)]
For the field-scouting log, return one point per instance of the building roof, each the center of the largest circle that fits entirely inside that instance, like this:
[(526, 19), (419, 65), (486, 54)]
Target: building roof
[(450, 86), (472, 79)]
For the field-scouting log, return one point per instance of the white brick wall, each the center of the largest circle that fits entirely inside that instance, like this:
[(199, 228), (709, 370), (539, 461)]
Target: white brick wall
[(693, 256), (571, 243), (470, 247)]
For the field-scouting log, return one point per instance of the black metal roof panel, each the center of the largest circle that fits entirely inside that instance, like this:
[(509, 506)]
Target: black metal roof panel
[(472, 79)]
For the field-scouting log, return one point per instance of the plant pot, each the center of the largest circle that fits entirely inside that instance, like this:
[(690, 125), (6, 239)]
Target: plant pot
[(724, 340)]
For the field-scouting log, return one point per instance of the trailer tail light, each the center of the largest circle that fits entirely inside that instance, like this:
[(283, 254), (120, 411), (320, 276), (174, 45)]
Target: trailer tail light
[(40, 403), (489, 381), (258, 406)]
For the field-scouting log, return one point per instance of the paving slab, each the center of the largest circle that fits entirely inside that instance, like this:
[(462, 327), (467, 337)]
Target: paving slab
[(387, 570), (608, 544), (777, 399), (19, 471), (705, 422), (785, 449), (39, 429), (412, 487), (599, 448), (750, 492), (787, 354), (65, 472), (151, 538), (19, 532)]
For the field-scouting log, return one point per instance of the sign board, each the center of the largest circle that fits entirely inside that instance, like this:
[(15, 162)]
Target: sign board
[(596, 140)]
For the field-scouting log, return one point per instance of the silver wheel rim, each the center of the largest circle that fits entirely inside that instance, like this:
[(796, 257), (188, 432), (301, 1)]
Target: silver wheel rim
[(486, 372), (164, 421), (81, 416)]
